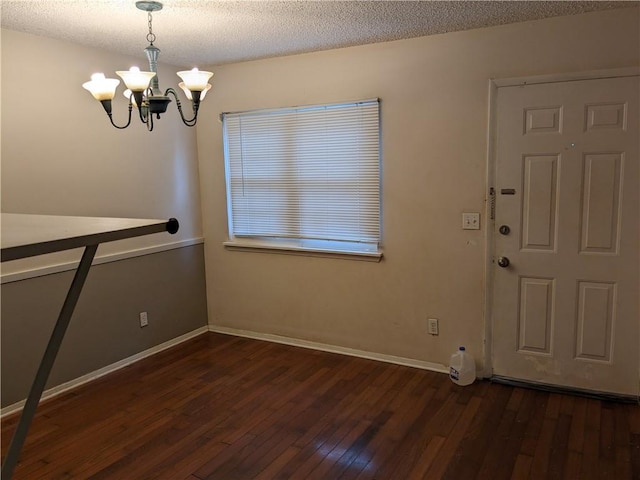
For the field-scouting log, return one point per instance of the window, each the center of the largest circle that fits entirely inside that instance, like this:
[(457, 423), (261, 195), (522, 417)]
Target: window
[(305, 178)]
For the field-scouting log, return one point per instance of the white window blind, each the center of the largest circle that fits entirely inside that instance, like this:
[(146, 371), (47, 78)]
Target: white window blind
[(308, 173)]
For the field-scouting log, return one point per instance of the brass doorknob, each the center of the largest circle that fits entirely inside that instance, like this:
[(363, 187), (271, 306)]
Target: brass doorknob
[(503, 262)]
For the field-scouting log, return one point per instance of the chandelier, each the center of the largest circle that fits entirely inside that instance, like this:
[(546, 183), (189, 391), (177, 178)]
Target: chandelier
[(143, 90)]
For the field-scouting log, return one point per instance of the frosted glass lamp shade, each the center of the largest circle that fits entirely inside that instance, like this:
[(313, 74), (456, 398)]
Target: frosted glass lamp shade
[(187, 92), (102, 88), (195, 80), (135, 80)]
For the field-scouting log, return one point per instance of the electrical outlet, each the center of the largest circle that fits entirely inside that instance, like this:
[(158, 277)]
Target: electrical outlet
[(144, 320), (432, 326)]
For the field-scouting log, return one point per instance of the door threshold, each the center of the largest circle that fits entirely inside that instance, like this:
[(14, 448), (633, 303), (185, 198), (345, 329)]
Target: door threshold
[(581, 392)]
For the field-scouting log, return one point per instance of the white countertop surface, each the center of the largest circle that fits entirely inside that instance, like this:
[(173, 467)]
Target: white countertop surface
[(26, 235)]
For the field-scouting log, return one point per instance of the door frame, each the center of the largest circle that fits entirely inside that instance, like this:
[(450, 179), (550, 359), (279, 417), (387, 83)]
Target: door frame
[(494, 85)]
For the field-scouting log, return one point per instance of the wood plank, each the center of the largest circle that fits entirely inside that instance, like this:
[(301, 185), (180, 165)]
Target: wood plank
[(622, 439), (540, 462), (499, 461), (572, 465), (559, 446), (219, 406), (578, 424), (478, 436), (522, 467), (446, 453), (607, 443)]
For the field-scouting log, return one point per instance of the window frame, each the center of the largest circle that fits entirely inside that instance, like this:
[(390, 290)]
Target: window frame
[(364, 250)]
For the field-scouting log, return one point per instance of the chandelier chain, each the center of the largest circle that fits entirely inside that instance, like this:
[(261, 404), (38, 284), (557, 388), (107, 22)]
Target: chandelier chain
[(150, 36)]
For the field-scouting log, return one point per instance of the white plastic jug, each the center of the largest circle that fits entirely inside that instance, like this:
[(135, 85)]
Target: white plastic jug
[(462, 369)]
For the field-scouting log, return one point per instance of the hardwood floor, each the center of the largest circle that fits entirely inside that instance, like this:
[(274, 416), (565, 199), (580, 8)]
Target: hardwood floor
[(223, 407)]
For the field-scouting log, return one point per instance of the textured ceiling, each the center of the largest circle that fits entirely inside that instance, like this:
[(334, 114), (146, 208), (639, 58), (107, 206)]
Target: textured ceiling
[(199, 32)]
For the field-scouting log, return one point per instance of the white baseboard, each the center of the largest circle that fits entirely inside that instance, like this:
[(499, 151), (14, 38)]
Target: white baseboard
[(381, 357), (59, 389)]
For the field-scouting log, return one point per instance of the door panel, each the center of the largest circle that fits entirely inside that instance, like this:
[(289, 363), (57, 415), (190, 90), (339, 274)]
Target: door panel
[(601, 202), (539, 202), (565, 310), (535, 319), (595, 320)]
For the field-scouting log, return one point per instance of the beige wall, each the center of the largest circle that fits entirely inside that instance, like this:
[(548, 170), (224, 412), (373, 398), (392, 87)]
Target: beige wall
[(61, 156), (434, 94)]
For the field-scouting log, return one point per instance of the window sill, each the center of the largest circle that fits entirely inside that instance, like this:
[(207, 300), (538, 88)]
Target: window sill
[(293, 249)]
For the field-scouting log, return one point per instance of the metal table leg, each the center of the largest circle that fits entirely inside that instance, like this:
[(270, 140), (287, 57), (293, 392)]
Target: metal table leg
[(29, 410)]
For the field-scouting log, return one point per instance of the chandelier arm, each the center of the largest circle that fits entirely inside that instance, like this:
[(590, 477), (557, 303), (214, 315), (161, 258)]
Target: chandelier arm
[(106, 104), (144, 114), (188, 122)]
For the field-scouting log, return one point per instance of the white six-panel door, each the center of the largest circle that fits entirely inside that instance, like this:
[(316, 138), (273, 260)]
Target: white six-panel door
[(565, 310)]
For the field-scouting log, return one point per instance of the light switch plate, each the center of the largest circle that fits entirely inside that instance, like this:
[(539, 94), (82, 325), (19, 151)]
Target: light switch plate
[(471, 221)]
